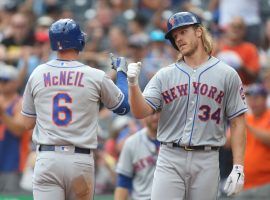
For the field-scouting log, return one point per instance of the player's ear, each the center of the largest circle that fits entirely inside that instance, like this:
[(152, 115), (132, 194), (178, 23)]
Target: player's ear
[(198, 31)]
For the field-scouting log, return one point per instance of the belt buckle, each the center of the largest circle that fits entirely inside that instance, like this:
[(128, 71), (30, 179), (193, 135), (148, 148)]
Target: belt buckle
[(187, 148)]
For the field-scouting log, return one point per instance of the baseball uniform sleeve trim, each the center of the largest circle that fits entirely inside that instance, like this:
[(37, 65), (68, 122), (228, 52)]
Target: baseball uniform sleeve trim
[(151, 104), (124, 181), (238, 113), (28, 114), (120, 102)]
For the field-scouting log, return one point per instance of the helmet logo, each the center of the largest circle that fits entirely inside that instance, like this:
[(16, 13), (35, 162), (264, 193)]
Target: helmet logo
[(172, 21), (194, 19), (59, 45)]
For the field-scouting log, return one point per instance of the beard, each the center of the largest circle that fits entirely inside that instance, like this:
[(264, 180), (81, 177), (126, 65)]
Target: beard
[(189, 51)]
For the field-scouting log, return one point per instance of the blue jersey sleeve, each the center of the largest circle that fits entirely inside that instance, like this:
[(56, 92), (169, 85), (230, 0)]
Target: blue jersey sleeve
[(124, 181), (122, 84)]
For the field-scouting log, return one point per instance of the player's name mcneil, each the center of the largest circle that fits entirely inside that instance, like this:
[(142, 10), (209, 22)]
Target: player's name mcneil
[(198, 88), (64, 78)]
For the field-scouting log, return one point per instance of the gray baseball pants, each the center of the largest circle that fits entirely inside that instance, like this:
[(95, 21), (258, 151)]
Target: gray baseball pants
[(186, 175), (63, 176)]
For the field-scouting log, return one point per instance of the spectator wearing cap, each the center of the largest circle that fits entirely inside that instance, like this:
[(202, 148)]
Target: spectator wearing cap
[(159, 54), (257, 156), (14, 141), (43, 23), (138, 49)]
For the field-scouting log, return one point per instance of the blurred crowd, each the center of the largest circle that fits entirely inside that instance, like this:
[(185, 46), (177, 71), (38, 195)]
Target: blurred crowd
[(134, 29)]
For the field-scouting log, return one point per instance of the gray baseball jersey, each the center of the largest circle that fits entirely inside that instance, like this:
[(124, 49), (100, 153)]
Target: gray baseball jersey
[(137, 160), (70, 94), (201, 100)]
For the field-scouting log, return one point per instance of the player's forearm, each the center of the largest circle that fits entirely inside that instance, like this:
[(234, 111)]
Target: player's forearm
[(139, 107), (121, 194), (122, 85), (238, 139)]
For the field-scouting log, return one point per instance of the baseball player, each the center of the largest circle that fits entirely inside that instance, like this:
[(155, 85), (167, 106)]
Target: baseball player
[(195, 96), (136, 165), (61, 102)]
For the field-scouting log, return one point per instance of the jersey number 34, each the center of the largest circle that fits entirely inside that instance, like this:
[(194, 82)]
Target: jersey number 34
[(206, 114)]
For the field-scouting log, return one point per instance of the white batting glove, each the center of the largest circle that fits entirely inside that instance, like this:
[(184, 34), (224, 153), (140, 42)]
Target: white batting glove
[(235, 181), (118, 63), (133, 73)]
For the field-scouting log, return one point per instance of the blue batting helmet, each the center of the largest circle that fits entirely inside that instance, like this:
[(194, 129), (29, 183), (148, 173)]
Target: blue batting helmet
[(180, 19), (66, 34)]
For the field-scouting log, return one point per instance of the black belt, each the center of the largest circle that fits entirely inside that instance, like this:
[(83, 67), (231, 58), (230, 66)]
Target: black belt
[(191, 148), (43, 147)]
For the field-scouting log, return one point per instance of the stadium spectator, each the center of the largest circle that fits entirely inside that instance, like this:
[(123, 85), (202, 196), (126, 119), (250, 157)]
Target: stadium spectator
[(21, 36), (14, 141), (266, 83), (138, 49), (249, 10), (233, 40), (158, 55), (33, 56), (265, 46), (257, 157)]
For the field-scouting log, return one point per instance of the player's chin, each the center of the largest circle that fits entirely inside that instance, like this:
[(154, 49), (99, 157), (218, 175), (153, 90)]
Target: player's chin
[(184, 50), (185, 53)]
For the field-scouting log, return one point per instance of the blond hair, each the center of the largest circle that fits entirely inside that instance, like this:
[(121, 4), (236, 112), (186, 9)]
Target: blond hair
[(207, 41)]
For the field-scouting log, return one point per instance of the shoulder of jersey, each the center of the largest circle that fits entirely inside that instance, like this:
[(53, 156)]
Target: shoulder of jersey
[(225, 67), (136, 137)]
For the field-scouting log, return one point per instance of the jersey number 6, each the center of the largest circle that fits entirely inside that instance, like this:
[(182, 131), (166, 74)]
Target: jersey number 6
[(62, 115)]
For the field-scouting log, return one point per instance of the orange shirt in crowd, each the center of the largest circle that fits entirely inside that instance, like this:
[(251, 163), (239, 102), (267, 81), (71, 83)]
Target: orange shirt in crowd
[(257, 155), (250, 57)]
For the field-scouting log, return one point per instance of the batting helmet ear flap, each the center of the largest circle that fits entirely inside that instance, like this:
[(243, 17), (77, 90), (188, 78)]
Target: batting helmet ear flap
[(178, 20)]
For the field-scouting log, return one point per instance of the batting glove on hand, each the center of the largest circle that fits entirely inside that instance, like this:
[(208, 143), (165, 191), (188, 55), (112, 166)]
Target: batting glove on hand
[(235, 180), (133, 73), (119, 63)]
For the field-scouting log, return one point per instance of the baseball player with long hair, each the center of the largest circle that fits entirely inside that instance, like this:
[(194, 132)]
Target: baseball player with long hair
[(196, 96), (61, 102)]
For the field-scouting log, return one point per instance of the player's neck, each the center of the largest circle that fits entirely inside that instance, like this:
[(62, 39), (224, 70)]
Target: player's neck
[(152, 134), (69, 54)]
